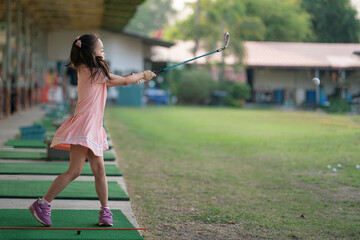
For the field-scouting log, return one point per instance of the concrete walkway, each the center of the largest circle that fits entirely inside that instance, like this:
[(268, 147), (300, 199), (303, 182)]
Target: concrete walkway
[(9, 128)]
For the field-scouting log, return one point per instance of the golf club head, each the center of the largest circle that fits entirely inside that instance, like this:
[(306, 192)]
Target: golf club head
[(226, 39)]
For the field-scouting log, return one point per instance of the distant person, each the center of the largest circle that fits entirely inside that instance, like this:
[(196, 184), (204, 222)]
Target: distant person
[(55, 93), (83, 133), (72, 87)]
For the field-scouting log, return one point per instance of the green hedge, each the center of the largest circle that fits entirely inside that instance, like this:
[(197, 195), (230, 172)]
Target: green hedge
[(195, 87)]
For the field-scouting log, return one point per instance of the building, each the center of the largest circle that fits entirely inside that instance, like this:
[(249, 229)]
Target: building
[(36, 36), (281, 72)]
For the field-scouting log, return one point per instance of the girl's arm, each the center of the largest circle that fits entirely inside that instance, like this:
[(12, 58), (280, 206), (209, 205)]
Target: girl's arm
[(130, 78)]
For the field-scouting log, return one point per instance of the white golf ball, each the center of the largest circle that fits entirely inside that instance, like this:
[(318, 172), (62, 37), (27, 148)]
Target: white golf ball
[(316, 81), (358, 166), (339, 165), (329, 166), (334, 170)]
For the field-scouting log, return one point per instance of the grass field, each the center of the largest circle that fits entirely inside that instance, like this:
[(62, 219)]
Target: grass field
[(218, 173)]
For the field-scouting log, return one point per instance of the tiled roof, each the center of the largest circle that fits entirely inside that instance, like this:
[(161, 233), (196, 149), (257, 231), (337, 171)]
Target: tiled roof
[(273, 54), (301, 55), (183, 50)]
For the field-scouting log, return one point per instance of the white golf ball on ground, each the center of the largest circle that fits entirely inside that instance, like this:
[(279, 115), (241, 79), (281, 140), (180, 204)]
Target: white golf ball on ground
[(316, 81)]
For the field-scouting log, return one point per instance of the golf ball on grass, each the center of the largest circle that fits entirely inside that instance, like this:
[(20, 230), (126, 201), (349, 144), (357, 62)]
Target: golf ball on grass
[(316, 81)]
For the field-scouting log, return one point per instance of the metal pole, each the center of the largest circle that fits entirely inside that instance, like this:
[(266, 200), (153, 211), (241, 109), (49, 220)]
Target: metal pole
[(27, 61), (33, 69), (19, 59), (8, 67), (343, 79), (317, 75)]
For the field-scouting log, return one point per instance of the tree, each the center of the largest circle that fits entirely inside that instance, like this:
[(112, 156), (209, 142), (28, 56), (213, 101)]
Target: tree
[(208, 25), (151, 16), (271, 20), (333, 21), (284, 20)]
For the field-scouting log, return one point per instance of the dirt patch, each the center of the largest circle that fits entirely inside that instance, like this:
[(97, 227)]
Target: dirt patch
[(337, 194), (346, 194)]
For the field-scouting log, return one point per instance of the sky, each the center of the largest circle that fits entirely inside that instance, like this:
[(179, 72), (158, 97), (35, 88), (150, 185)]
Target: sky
[(356, 4), (179, 4)]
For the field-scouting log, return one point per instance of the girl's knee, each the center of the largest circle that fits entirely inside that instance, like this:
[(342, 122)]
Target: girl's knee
[(97, 164), (73, 173), (98, 169)]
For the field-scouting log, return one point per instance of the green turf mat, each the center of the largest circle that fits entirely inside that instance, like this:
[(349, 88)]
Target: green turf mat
[(26, 143), (35, 155), (15, 154), (109, 156), (61, 219), (65, 155), (51, 169), (50, 134), (47, 124), (75, 190)]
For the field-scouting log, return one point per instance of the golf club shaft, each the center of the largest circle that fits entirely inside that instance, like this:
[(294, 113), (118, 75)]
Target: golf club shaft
[(167, 68)]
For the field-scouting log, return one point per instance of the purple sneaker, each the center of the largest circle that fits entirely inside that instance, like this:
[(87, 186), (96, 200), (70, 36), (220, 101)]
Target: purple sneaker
[(42, 212), (105, 217)]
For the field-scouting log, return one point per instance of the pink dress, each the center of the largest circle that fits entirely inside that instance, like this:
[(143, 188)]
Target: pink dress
[(85, 127)]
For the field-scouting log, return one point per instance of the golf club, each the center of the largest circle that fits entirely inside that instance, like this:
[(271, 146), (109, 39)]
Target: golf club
[(226, 41)]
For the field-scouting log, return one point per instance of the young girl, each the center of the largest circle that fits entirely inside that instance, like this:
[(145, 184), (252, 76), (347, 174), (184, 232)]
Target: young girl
[(83, 133)]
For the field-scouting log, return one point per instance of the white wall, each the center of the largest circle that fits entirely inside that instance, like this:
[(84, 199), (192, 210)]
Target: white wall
[(295, 82), (269, 79), (123, 53), (353, 80)]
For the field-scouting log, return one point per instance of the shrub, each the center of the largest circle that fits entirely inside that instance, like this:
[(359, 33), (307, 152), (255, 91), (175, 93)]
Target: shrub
[(338, 105), (241, 91), (195, 87), (237, 93)]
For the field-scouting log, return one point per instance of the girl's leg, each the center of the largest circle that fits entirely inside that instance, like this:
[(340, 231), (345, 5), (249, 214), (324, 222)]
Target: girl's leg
[(77, 159), (98, 169)]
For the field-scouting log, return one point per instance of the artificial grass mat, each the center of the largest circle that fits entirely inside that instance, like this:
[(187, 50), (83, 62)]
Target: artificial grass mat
[(75, 190), (15, 154), (17, 143), (37, 155), (51, 169), (61, 219)]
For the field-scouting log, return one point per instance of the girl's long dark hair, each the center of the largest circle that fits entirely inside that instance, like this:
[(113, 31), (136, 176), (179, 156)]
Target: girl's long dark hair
[(84, 54)]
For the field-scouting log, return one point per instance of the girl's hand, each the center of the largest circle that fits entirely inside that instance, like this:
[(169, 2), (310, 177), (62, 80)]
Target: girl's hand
[(148, 75)]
